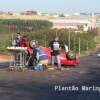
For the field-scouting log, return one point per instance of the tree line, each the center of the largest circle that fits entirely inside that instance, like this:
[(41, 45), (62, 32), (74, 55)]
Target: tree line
[(42, 31)]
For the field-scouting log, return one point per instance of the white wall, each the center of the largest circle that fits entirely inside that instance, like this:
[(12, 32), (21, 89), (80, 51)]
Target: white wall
[(70, 23)]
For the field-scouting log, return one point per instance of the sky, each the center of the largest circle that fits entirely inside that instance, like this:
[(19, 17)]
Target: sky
[(51, 6)]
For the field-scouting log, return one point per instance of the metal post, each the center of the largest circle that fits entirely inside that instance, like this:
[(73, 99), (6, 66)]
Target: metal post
[(79, 46), (69, 40), (45, 40), (56, 33), (87, 46), (74, 43)]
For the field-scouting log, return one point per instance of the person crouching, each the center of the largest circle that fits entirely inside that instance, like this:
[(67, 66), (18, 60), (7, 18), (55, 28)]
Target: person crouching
[(41, 60)]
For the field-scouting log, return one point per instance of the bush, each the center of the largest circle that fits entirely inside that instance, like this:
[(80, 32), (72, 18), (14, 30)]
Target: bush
[(41, 31), (14, 25), (86, 39)]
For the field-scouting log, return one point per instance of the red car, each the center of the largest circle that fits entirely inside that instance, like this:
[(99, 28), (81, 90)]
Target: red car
[(65, 61)]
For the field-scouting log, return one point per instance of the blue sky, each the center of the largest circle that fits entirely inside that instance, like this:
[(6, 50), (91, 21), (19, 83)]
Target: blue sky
[(51, 5)]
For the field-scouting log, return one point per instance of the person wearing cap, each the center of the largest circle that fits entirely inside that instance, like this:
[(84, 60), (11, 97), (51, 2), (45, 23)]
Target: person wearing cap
[(41, 59), (38, 56), (32, 56)]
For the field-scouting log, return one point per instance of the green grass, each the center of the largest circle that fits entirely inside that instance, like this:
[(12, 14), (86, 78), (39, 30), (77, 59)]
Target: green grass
[(5, 40)]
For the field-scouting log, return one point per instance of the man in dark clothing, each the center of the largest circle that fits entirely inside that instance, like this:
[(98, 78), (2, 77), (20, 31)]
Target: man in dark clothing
[(18, 39), (55, 51)]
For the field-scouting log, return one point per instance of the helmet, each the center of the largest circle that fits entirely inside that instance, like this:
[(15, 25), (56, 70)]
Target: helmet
[(33, 43)]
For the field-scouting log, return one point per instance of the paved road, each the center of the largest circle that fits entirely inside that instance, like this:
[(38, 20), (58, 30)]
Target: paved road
[(31, 85)]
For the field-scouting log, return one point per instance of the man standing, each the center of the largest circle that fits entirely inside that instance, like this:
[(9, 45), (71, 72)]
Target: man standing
[(18, 39), (55, 52)]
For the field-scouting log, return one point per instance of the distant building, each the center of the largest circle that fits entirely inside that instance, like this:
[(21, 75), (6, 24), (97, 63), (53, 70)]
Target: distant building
[(9, 13), (77, 22), (72, 22), (44, 14), (85, 27), (93, 20), (31, 12), (1, 12), (55, 15)]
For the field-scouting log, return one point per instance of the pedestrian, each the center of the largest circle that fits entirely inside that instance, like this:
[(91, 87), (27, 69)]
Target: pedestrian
[(39, 57), (24, 41), (18, 39), (17, 43), (42, 61), (55, 52), (32, 57)]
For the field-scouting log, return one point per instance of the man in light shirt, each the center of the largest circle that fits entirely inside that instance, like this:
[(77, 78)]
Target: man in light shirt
[(55, 52)]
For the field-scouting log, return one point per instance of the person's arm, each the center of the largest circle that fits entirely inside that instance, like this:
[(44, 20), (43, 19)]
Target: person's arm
[(66, 48), (60, 43), (37, 56), (50, 44)]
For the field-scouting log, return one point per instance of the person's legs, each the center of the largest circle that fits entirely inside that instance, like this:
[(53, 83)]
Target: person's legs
[(44, 62), (38, 67), (53, 60), (58, 61)]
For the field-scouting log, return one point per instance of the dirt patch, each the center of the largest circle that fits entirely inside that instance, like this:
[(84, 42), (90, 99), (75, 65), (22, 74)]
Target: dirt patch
[(4, 58)]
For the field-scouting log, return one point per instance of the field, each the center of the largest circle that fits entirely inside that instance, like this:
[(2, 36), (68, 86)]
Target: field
[(25, 17), (5, 40)]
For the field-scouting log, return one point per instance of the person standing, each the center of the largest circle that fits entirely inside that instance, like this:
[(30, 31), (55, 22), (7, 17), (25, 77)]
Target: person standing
[(55, 52), (18, 39)]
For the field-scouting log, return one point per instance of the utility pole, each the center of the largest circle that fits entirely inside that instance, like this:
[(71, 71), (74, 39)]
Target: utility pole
[(87, 46), (79, 46), (69, 40), (45, 41), (74, 43), (56, 33)]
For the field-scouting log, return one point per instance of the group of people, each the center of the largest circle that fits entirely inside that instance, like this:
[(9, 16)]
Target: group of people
[(20, 41), (38, 55)]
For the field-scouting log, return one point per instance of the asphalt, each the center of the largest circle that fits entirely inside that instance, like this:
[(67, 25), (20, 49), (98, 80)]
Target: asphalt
[(31, 85)]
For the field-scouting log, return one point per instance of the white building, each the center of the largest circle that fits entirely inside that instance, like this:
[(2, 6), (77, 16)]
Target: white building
[(70, 23), (74, 22)]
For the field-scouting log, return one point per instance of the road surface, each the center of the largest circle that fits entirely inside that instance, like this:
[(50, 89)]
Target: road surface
[(30, 85)]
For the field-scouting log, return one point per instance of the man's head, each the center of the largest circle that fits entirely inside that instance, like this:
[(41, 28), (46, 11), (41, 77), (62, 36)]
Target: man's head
[(56, 38), (33, 43), (18, 33)]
